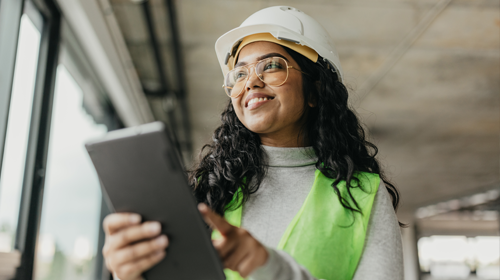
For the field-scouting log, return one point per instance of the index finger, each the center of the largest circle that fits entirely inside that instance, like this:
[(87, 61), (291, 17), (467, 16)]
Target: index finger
[(215, 221), (116, 221)]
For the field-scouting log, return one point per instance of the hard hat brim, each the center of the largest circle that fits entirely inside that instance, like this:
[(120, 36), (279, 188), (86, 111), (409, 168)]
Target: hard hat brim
[(224, 47)]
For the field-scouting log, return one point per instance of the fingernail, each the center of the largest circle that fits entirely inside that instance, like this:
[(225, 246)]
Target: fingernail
[(134, 218), (201, 206), (161, 241), (154, 227)]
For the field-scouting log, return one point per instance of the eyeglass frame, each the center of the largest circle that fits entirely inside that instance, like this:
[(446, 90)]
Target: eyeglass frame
[(255, 70)]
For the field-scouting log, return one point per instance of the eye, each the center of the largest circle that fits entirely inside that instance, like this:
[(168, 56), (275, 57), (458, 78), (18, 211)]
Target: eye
[(240, 74), (273, 65)]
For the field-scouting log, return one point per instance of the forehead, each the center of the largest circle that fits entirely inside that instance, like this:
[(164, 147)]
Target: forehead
[(252, 51)]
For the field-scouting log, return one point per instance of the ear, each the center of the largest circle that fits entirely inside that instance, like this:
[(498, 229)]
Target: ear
[(313, 102)]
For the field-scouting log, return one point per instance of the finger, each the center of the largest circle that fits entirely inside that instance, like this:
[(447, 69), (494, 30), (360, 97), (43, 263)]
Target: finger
[(235, 258), (133, 270), (232, 246), (139, 250), (116, 221), (214, 220), (224, 247), (247, 266), (244, 246), (131, 235), (251, 262)]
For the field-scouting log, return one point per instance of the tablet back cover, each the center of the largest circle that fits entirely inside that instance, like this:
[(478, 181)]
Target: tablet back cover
[(140, 172)]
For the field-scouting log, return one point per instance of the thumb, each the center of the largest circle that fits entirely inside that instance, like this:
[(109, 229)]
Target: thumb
[(214, 220)]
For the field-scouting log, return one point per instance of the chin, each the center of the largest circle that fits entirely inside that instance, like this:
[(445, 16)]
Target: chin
[(257, 127)]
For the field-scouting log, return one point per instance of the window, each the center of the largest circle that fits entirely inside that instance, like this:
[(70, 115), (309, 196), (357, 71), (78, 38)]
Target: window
[(13, 165), (72, 200), (45, 122), (447, 257)]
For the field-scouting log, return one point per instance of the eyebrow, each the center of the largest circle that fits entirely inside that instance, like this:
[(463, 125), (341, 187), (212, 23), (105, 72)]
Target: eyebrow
[(241, 63)]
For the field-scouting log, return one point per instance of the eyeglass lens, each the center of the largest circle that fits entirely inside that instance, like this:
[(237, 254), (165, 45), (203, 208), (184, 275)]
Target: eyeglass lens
[(273, 71)]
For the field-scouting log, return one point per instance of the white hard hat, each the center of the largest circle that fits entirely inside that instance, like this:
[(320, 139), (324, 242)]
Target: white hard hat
[(289, 27)]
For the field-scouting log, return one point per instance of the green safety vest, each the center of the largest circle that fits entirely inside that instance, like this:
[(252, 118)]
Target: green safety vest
[(324, 237)]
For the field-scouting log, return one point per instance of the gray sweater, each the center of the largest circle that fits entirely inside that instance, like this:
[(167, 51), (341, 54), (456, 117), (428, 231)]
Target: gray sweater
[(268, 212)]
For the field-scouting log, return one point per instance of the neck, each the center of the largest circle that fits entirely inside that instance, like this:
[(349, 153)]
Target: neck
[(285, 141)]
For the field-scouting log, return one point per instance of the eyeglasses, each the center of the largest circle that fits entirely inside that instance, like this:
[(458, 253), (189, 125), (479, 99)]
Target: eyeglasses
[(273, 71)]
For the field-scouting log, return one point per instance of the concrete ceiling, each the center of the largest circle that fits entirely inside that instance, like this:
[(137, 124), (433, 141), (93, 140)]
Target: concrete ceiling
[(424, 78), (433, 109), (130, 15)]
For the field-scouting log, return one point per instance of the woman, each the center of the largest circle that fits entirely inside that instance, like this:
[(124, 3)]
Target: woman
[(289, 183)]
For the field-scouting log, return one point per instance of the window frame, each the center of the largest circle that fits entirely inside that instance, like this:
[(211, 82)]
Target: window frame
[(36, 156), (46, 15)]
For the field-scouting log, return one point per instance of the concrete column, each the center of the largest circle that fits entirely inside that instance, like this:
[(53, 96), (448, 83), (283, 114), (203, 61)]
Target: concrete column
[(410, 252)]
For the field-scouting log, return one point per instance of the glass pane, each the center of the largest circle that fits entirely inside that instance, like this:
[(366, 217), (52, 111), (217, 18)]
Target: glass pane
[(11, 176), (69, 228)]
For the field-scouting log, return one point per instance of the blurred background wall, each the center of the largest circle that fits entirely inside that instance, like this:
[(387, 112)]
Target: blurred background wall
[(424, 77)]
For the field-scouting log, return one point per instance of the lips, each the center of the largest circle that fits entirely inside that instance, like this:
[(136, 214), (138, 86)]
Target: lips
[(257, 97)]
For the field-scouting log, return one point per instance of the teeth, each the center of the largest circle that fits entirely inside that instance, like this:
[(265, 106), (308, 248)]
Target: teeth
[(257, 99)]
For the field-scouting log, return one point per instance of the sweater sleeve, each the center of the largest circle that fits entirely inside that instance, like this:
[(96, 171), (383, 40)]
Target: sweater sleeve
[(382, 257), (382, 254)]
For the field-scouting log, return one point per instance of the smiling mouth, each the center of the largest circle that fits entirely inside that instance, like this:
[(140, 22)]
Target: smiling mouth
[(258, 99)]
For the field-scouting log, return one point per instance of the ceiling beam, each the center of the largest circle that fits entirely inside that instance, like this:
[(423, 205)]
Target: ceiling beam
[(156, 51), (181, 72), (399, 51)]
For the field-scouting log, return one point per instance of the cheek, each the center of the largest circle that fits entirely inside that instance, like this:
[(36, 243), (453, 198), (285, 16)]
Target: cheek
[(237, 108), (295, 99)]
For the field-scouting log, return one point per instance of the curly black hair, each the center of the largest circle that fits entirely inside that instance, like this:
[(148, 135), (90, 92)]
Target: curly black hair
[(235, 159)]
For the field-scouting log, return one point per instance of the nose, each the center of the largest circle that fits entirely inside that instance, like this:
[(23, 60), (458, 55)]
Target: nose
[(253, 80)]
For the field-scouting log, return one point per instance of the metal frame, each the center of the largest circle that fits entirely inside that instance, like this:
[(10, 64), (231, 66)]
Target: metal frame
[(33, 183), (10, 21), (165, 91), (156, 50), (174, 29), (101, 271)]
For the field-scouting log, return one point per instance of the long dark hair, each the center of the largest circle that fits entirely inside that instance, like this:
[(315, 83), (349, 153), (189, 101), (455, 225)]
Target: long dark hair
[(235, 160)]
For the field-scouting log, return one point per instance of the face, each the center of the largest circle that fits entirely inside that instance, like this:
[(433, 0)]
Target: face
[(276, 120)]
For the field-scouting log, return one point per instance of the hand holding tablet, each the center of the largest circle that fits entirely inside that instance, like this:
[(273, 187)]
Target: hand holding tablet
[(131, 248)]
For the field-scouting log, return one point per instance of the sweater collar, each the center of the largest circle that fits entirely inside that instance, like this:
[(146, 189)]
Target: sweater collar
[(290, 157)]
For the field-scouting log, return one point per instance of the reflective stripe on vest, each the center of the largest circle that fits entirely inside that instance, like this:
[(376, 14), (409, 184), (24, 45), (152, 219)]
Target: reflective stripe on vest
[(324, 237)]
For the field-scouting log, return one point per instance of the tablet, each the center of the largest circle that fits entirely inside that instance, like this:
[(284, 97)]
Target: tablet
[(140, 172)]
